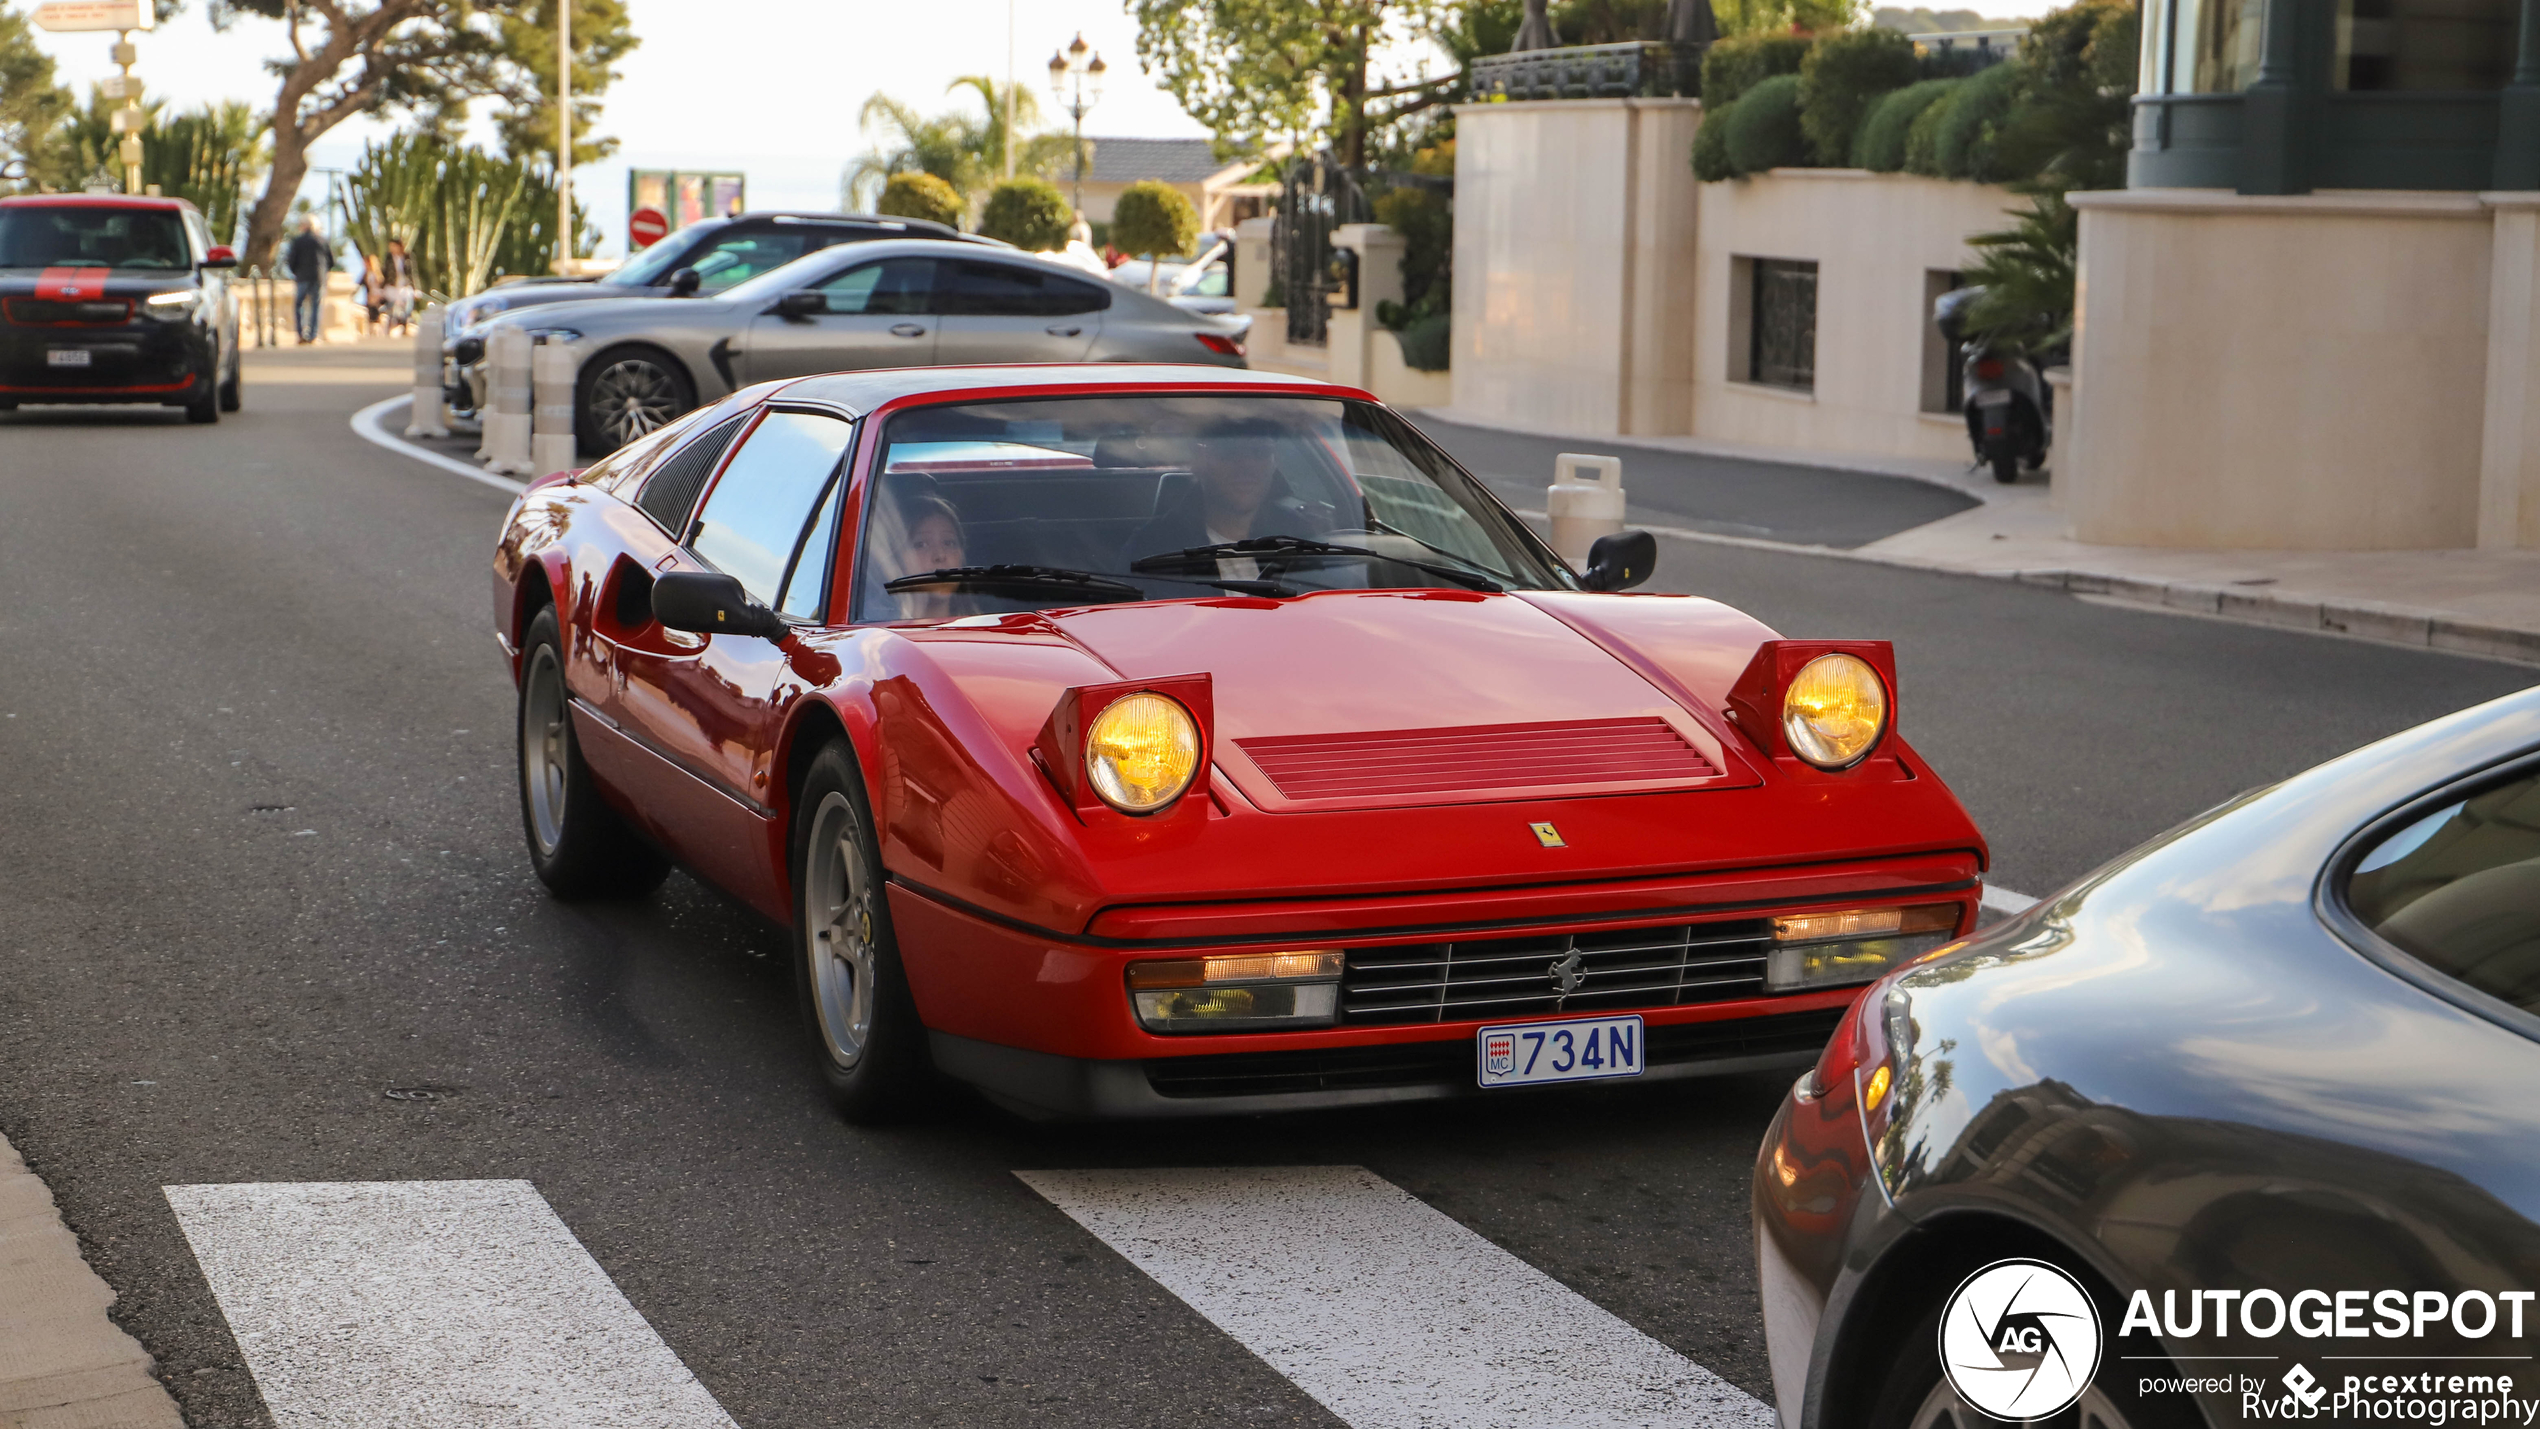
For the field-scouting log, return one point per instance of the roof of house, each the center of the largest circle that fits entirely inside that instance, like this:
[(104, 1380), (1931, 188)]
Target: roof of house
[(1175, 161)]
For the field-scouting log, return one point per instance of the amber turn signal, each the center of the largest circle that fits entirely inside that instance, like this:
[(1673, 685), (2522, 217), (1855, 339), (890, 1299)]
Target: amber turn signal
[(1856, 945)]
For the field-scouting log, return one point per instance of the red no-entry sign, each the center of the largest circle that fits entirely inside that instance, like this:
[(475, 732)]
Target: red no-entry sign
[(645, 227)]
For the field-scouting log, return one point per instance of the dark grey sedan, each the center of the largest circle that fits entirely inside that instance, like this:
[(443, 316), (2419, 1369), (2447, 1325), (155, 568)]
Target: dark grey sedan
[(901, 303), (2240, 1127)]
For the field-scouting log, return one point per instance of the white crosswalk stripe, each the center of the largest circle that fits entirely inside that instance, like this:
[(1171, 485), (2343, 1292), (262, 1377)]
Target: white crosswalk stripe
[(1385, 1309), (427, 1305)]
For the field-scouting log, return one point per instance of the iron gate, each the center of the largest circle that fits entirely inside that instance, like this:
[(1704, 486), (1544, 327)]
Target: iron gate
[(1317, 196)]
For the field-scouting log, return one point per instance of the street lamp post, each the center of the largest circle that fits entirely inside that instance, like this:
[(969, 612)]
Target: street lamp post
[(1077, 83), (564, 135)]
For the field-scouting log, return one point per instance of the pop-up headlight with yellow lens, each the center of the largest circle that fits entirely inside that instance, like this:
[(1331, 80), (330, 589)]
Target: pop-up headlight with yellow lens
[(1834, 711), (1140, 752), (1856, 945), (1238, 992)]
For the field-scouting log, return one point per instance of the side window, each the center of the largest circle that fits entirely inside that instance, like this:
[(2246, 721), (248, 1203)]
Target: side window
[(755, 520), (1004, 290), (670, 491), (2459, 889), (200, 235), (892, 286), (740, 254)]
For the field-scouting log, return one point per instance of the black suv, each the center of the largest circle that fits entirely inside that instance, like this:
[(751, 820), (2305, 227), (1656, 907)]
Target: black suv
[(105, 298)]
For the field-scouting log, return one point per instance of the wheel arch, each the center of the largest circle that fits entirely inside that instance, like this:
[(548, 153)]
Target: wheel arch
[(1924, 1266), (533, 592), (815, 722)]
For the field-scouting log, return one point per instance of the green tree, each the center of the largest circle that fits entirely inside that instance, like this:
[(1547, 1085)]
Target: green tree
[(1153, 219), (32, 103), (427, 58), (1255, 71), (921, 195), (1028, 212), (602, 38), (1842, 77), (84, 143), (208, 156), (465, 216)]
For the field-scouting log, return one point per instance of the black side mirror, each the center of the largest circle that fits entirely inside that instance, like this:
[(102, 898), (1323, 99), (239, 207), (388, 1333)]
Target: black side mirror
[(710, 603), (1620, 561), (685, 282), (802, 303)]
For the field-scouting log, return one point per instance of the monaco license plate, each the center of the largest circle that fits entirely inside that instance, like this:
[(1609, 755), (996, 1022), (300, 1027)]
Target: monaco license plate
[(66, 357), (1577, 1049)]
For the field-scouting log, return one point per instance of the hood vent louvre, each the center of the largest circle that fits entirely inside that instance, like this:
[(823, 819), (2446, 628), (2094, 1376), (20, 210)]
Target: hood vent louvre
[(1456, 761)]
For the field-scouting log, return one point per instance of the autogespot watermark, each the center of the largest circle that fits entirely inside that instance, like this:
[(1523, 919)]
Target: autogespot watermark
[(2019, 1340), (2481, 1391)]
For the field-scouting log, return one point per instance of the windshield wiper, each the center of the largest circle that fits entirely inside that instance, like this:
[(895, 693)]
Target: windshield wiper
[(1021, 583), (1276, 548)]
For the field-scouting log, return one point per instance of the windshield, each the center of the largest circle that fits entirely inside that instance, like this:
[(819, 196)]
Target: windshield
[(1120, 498), (652, 267), (83, 236)]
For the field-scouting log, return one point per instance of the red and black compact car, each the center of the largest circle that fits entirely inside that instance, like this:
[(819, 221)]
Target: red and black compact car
[(1150, 741), (111, 299)]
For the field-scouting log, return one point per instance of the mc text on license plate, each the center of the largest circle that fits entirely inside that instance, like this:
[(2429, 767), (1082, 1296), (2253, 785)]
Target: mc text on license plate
[(66, 357), (1577, 1049)]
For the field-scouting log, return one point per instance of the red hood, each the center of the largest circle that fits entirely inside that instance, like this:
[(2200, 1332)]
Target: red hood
[(1351, 662)]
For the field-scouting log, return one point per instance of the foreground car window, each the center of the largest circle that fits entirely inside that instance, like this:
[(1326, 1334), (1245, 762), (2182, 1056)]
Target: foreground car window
[(69, 237), (2460, 890), (1111, 499), (754, 524)]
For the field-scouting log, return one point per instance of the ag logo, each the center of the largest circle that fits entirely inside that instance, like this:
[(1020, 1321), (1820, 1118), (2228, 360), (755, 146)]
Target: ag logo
[(2019, 1340)]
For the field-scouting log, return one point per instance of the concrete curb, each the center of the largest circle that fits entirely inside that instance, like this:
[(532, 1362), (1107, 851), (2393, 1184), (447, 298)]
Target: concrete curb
[(63, 1363)]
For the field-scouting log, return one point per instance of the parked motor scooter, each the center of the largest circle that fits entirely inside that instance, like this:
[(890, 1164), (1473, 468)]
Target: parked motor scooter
[(2010, 409)]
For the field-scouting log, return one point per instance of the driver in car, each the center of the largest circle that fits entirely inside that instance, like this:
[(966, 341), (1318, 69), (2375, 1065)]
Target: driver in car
[(1235, 471)]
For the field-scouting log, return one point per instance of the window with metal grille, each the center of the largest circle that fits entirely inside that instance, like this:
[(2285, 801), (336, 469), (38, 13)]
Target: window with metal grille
[(1783, 330), (670, 493)]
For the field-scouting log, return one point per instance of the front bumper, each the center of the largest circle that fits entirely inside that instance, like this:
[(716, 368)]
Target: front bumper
[(141, 361), (1043, 1022)]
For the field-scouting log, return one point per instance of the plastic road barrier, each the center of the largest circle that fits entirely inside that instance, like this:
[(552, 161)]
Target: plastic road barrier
[(430, 418), (551, 446), (505, 450), (1583, 509)]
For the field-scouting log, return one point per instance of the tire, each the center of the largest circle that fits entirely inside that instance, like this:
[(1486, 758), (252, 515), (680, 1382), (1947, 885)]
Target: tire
[(1916, 1395), (578, 846), (2006, 467), (206, 409), (230, 391), (865, 1034), (626, 393)]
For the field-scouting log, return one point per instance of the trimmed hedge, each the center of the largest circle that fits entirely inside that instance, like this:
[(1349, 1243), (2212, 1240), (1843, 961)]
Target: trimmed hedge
[(1735, 65), (1153, 219), (1711, 144), (1029, 213), (920, 195), (1880, 146), (1966, 123), (1843, 76), (1425, 344), (1763, 127)]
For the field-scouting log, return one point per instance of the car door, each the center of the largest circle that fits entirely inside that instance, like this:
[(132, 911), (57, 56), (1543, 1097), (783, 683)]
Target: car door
[(711, 704), (874, 314), (998, 311)]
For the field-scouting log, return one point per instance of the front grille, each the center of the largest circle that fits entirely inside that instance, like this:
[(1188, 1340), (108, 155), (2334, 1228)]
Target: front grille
[(1523, 977), (1452, 1062), (44, 312), (1498, 756)]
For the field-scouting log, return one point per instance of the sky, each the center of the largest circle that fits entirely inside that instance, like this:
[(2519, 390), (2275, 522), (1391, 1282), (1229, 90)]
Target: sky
[(767, 87)]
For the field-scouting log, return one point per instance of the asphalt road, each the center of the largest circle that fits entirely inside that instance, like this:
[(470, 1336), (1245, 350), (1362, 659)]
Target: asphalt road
[(1726, 496), (264, 867)]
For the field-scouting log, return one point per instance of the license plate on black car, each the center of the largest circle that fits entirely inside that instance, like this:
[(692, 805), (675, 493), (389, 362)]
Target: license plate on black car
[(66, 357), (1577, 1049)]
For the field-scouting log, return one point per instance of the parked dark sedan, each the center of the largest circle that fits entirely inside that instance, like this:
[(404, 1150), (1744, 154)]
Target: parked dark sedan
[(111, 299), (2236, 1128)]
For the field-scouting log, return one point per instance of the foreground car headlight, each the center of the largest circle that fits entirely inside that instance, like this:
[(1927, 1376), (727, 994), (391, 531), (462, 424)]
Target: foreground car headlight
[(1834, 711), (1141, 752), (1855, 945), (178, 304), (1242, 992)]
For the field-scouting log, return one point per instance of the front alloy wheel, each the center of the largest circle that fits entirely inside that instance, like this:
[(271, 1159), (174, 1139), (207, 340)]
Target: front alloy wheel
[(1945, 1408), (839, 942)]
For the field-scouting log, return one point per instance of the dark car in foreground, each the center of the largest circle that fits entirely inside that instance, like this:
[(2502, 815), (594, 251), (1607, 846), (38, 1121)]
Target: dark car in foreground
[(2240, 1127), (1169, 741), (111, 299)]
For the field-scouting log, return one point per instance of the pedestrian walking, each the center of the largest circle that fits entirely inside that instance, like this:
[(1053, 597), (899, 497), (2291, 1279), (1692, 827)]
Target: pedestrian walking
[(309, 259), (400, 269), (372, 295)]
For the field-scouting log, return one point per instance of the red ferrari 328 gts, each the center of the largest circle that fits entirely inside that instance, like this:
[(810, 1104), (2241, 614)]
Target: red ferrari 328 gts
[(1154, 741)]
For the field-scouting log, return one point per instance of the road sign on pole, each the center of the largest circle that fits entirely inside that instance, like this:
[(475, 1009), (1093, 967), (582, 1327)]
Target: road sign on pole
[(646, 227), (69, 16)]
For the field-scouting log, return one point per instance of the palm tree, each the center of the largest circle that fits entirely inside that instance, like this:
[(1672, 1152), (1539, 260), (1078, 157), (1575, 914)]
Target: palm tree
[(965, 151)]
